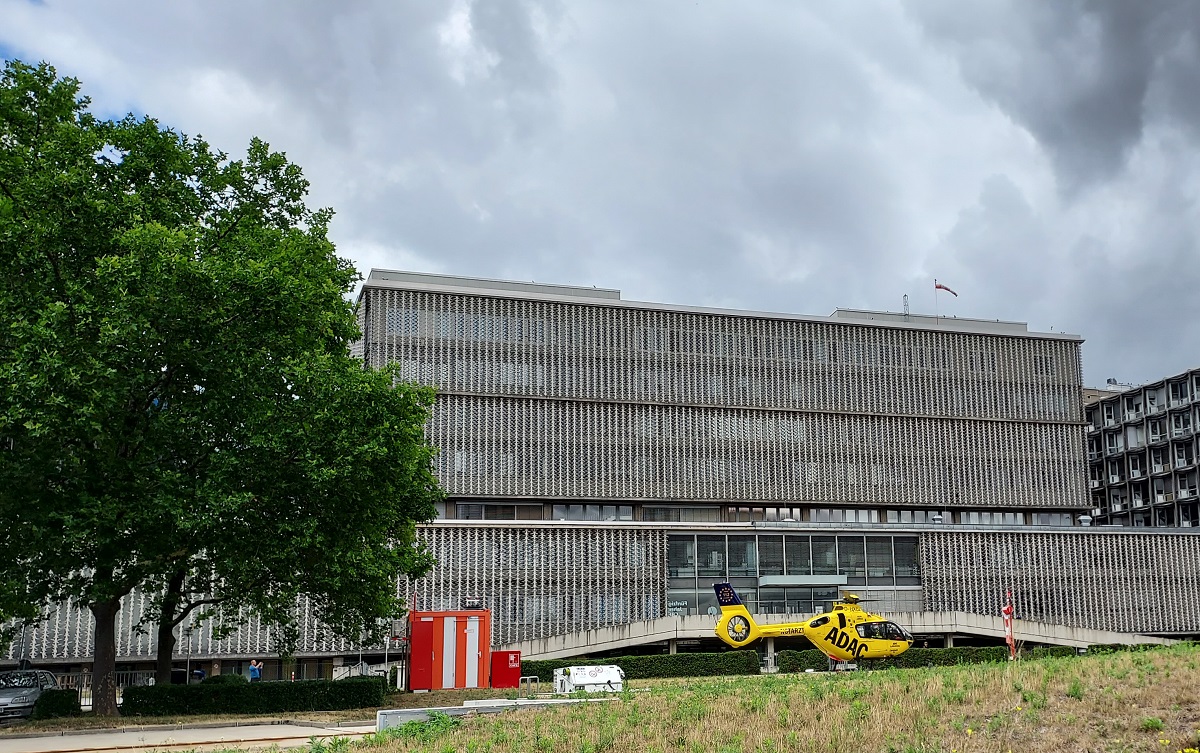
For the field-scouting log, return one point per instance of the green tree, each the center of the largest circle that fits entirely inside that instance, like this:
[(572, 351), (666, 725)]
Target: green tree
[(179, 401)]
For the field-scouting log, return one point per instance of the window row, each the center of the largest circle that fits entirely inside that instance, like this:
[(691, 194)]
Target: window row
[(873, 560)]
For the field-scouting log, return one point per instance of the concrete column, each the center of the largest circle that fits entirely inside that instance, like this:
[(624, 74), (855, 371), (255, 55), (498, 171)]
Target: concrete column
[(671, 646), (770, 654), (949, 640)]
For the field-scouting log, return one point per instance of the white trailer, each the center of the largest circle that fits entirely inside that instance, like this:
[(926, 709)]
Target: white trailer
[(589, 679)]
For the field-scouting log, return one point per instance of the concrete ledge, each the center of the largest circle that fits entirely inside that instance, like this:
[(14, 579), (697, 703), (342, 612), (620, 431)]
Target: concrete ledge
[(919, 623)]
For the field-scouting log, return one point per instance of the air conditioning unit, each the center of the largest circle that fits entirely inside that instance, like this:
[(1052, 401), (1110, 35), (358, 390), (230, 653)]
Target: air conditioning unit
[(1169, 497), (1181, 463), (1159, 499), (1159, 468), (1135, 473), (1096, 483), (1114, 479), (1117, 507), (1110, 422), (1185, 493), (1134, 414)]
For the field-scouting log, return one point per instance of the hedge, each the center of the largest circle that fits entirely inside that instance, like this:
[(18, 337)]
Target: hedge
[(659, 665), (799, 661), (229, 679), (56, 702), (251, 698)]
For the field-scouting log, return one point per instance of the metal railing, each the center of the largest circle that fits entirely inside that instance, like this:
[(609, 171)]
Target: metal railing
[(82, 682)]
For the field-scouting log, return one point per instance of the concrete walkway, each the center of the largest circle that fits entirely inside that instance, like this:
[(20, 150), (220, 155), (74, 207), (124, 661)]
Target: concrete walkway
[(180, 737)]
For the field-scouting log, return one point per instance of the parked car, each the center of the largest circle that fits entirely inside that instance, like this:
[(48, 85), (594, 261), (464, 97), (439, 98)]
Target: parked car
[(20, 689)]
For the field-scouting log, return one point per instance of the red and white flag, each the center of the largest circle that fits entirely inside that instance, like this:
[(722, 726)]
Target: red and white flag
[(939, 286)]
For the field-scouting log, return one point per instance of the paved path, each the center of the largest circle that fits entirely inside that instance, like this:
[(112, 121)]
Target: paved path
[(178, 739)]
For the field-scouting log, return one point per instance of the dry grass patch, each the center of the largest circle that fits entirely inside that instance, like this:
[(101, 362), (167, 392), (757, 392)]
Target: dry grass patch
[(1140, 701)]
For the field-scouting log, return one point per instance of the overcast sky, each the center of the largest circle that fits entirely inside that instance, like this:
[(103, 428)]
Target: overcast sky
[(1037, 157)]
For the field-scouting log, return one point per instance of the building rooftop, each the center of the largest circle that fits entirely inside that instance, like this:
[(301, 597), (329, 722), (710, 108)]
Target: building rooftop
[(440, 283)]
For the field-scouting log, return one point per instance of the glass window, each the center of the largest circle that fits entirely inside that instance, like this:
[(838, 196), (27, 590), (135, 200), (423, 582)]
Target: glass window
[(591, 512), (469, 512), (575, 512), (624, 512), (771, 601), (879, 559), (907, 572), (824, 555), (500, 512), (823, 598), (560, 512), (743, 556), (799, 601), (710, 556), (681, 601), (529, 512), (681, 555), (770, 555), (798, 562), (852, 559)]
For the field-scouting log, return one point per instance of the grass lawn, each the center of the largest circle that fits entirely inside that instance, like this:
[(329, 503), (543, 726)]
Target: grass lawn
[(1111, 703), (1138, 701)]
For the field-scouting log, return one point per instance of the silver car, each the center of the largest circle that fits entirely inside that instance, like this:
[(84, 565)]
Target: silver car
[(20, 689)]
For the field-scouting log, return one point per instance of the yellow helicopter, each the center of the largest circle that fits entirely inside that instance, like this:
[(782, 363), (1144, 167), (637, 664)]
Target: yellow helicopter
[(845, 633)]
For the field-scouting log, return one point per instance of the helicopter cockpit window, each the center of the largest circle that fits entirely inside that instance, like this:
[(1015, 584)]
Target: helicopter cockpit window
[(823, 619), (897, 633), (876, 630), (842, 620)]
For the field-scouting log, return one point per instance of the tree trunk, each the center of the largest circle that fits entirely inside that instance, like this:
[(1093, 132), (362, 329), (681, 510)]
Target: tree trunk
[(104, 665), (167, 620)]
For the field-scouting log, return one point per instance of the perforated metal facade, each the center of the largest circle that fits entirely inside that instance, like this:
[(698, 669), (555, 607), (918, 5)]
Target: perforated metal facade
[(1135, 582), (67, 634), (609, 399), (547, 580)]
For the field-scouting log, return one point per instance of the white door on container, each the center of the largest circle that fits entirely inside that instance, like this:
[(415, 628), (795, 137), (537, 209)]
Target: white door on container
[(449, 651), (472, 652)]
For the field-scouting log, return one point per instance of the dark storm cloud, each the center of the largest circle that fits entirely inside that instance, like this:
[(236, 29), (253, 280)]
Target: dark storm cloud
[(1079, 75), (1038, 157)]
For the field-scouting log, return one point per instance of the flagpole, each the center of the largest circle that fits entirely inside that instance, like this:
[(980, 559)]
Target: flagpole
[(936, 316)]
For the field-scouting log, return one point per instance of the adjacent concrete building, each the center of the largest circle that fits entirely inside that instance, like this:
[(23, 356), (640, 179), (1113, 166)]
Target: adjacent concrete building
[(1144, 453)]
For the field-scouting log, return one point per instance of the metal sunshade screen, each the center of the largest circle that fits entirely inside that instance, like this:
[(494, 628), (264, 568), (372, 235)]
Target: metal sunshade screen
[(570, 449), (497, 346), (545, 581), (1107, 581), (67, 633)]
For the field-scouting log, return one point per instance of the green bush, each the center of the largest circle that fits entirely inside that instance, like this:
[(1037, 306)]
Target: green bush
[(1043, 652), (661, 665), (56, 702), (229, 679), (251, 698), (799, 661)]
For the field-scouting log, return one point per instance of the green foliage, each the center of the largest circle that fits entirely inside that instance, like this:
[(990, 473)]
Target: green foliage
[(1152, 724), (251, 698), (229, 679), (56, 702), (1045, 652), (1076, 689), (178, 388), (661, 665), (799, 661)]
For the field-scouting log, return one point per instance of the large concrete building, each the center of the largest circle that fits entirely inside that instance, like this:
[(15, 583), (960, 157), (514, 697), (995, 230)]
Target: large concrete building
[(606, 461), (1144, 453)]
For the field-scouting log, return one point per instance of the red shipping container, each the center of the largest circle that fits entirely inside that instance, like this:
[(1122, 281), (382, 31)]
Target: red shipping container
[(506, 669), (449, 649)]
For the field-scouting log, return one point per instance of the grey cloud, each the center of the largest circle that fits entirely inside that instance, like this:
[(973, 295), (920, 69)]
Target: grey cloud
[(780, 156), (1076, 74)]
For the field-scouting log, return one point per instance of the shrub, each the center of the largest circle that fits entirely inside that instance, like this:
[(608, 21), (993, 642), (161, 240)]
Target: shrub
[(661, 665), (1042, 652), (798, 661), (229, 679), (56, 702), (251, 698)]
